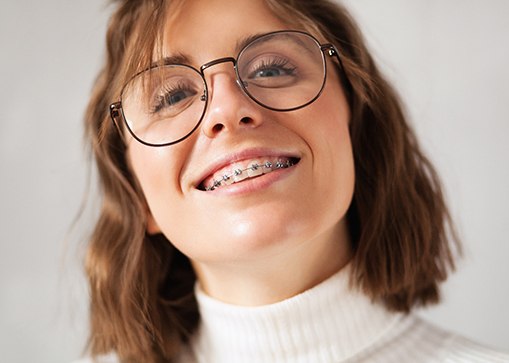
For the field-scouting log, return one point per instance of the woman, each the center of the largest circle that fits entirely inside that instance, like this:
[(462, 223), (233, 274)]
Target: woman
[(264, 198)]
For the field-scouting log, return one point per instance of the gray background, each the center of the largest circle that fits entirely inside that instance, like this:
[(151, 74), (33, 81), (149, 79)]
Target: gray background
[(449, 59)]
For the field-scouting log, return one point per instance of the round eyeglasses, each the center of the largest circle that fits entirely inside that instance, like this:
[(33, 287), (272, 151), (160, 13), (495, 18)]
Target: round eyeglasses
[(281, 71)]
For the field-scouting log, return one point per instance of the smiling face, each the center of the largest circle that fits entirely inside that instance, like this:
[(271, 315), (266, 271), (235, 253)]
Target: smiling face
[(299, 203)]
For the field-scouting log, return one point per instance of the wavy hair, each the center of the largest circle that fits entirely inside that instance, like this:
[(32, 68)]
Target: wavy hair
[(142, 302)]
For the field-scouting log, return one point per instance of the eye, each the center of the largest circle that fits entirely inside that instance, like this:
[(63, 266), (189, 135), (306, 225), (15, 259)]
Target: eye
[(272, 67), (269, 72), (174, 97)]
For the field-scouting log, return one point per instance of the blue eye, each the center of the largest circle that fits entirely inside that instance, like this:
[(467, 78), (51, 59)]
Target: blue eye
[(269, 72), (274, 67), (173, 96)]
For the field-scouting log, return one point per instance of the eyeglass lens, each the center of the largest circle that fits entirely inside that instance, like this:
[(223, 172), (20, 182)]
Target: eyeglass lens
[(281, 71)]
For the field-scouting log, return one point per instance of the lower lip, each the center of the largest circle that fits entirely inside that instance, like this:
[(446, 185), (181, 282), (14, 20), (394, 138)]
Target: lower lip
[(253, 185)]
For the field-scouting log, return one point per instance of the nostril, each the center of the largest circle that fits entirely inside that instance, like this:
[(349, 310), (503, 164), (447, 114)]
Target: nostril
[(217, 128), (246, 120)]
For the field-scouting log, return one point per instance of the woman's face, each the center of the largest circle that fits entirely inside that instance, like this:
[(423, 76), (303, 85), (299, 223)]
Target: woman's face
[(257, 217)]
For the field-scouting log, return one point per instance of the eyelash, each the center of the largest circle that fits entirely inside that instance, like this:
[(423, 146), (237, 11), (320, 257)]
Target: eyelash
[(161, 99), (274, 62)]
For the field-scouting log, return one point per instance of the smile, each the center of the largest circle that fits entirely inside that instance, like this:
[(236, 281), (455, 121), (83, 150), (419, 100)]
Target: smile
[(240, 173)]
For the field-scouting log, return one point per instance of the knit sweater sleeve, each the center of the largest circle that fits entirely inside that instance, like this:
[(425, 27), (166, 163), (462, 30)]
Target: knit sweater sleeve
[(462, 350)]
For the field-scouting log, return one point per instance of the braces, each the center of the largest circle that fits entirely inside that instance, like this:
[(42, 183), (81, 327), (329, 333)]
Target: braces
[(237, 172)]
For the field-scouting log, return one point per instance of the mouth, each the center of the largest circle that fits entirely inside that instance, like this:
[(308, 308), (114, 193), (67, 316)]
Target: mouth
[(244, 170)]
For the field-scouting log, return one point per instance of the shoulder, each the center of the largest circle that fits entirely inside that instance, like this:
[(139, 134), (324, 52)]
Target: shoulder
[(110, 358), (185, 357), (412, 339), (460, 349), (453, 348)]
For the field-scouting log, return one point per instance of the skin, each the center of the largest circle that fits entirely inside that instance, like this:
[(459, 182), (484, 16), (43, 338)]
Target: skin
[(264, 242)]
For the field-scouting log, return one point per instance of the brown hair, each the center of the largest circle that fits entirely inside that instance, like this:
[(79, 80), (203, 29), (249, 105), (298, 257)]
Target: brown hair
[(141, 287)]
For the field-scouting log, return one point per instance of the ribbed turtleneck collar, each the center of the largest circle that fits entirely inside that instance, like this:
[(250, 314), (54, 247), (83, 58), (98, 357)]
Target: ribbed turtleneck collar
[(328, 323)]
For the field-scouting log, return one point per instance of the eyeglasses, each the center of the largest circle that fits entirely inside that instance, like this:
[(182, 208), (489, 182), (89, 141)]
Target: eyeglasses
[(281, 71)]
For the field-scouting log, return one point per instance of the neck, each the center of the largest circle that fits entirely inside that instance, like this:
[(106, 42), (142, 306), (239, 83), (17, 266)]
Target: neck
[(331, 322), (277, 276)]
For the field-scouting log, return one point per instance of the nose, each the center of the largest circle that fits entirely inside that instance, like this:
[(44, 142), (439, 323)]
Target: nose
[(229, 110)]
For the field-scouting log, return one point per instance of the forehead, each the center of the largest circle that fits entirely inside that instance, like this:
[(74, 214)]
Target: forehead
[(206, 29)]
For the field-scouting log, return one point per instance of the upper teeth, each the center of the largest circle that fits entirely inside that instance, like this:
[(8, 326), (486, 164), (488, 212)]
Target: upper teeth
[(253, 170)]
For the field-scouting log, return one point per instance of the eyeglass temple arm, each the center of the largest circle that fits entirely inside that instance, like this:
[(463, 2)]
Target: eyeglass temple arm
[(331, 52), (116, 114)]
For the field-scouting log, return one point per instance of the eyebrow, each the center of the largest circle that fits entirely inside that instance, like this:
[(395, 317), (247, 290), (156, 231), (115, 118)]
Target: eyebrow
[(242, 42), (181, 58)]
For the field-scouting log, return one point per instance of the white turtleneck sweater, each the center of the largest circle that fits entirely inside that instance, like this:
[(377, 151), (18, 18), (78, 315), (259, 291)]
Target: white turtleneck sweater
[(330, 323)]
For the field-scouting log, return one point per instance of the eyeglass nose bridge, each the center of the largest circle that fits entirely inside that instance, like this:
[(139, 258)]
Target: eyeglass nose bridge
[(214, 62), (218, 61)]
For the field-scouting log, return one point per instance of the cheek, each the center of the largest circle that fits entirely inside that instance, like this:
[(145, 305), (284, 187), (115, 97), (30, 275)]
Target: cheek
[(149, 167), (331, 147), (158, 173), (336, 174), (332, 140)]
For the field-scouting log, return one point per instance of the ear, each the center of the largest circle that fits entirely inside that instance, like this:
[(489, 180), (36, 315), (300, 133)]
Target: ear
[(152, 226)]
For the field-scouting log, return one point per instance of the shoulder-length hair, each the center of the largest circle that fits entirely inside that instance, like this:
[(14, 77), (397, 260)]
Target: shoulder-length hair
[(142, 301)]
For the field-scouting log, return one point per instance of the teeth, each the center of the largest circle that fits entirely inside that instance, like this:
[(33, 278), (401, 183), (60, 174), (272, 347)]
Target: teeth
[(267, 167), (227, 180), (255, 169), (239, 175)]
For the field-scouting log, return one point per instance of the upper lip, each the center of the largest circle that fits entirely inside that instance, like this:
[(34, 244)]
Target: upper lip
[(231, 158)]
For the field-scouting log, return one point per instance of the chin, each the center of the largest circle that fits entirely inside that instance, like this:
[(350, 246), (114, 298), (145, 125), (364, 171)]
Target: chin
[(252, 235)]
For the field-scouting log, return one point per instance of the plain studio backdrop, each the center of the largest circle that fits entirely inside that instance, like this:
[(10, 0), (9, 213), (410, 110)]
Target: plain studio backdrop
[(449, 60)]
